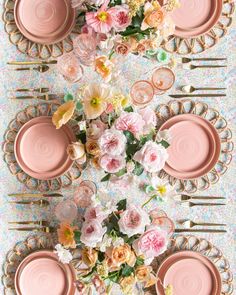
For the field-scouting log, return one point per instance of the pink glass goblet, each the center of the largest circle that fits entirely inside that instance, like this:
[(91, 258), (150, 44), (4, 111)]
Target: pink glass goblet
[(163, 79), (66, 211), (69, 66), (85, 48), (83, 194), (142, 93)]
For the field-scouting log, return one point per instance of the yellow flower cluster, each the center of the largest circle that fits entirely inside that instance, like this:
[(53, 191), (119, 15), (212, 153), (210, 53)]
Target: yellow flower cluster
[(119, 101), (172, 4), (134, 6)]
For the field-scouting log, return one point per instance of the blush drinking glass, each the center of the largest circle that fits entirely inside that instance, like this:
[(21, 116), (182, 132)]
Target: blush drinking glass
[(85, 48), (162, 79), (66, 211), (142, 93), (84, 193)]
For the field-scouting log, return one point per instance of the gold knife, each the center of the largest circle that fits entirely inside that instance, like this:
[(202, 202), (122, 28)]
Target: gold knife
[(38, 62), (28, 195), (182, 230), (196, 95)]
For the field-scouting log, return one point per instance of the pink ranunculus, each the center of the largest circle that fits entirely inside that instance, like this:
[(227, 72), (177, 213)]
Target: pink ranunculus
[(112, 164), (92, 233), (96, 129), (152, 243), (132, 122), (96, 212), (133, 221), (152, 156), (112, 142), (149, 117), (120, 16)]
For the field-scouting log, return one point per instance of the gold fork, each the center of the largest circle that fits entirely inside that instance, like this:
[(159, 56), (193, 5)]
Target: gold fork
[(40, 203), (45, 229), (41, 223), (42, 97)]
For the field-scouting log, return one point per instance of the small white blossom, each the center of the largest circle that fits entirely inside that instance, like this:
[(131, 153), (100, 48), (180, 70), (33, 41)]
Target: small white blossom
[(64, 255), (163, 135), (105, 243), (116, 242)]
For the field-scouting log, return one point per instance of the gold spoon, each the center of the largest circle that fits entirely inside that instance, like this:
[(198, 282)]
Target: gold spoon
[(191, 89), (187, 223), (40, 69)]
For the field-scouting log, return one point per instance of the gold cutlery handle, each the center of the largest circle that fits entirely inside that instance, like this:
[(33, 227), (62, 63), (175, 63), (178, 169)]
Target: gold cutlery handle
[(209, 66), (23, 69), (196, 95), (209, 58), (210, 88), (207, 204), (182, 230), (15, 63), (210, 224), (206, 198), (24, 97)]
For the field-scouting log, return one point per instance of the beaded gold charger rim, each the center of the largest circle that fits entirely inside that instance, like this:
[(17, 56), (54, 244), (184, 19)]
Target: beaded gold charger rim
[(187, 106), (33, 49), (184, 46), (42, 109), (204, 247), (21, 250)]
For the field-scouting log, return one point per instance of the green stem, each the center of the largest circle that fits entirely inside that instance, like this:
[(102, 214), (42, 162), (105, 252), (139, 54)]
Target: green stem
[(111, 53), (149, 200)]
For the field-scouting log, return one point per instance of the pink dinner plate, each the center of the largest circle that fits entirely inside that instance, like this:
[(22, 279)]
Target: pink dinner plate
[(41, 273), (196, 17), (44, 21), (40, 148), (188, 272), (195, 146)]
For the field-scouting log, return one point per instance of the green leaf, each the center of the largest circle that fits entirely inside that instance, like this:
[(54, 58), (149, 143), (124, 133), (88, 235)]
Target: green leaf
[(114, 276), (79, 106), (121, 172), (81, 137), (146, 138), (68, 96), (132, 149), (127, 271), (165, 144), (106, 177), (129, 135), (121, 205), (77, 235), (101, 256), (149, 188), (138, 170), (129, 109), (139, 261)]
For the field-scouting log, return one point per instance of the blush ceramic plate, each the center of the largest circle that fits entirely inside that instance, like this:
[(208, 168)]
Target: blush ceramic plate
[(44, 21), (196, 17), (40, 148), (42, 273), (189, 273), (195, 146)]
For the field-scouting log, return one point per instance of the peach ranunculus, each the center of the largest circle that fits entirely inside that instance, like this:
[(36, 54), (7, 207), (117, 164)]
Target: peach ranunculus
[(152, 156), (89, 256), (122, 254), (152, 243), (63, 114), (112, 164), (66, 235), (132, 122), (133, 220), (95, 100), (103, 66), (153, 15), (112, 142), (92, 147), (76, 151), (127, 284), (92, 233), (144, 274)]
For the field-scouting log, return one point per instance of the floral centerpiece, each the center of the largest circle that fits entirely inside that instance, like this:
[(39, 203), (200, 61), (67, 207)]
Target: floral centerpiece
[(120, 27), (113, 135), (117, 244)]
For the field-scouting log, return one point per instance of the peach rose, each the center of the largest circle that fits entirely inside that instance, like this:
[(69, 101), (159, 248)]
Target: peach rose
[(153, 15), (76, 151), (122, 254), (89, 256), (127, 284), (92, 147), (122, 48)]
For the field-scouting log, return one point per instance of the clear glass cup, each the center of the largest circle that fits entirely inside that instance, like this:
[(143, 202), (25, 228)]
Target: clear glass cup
[(162, 79), (69, 66), (66, 211), (84, 193), (142, 93), (85, 46)]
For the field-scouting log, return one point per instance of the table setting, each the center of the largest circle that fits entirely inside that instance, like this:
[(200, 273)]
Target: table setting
[(117, 147)]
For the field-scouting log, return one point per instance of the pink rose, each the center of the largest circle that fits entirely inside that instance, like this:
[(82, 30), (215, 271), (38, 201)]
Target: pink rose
[(152, 156), (95, 213), (112, 164), (112, 142), (122, 182), (152, 243), (149, 117), (95, 130), (92, 233), (132, 122), (133, 221), (120, 17)]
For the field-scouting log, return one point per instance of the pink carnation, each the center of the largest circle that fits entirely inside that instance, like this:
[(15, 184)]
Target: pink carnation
[(132, 122), (152, 243), (112, 142), (112, 164), (152, 156), (120, 16), (149, 117)]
